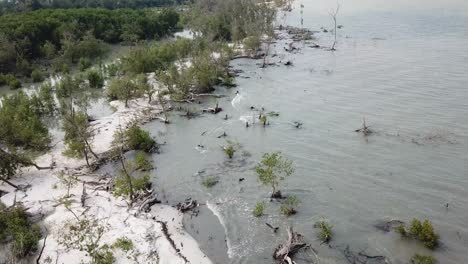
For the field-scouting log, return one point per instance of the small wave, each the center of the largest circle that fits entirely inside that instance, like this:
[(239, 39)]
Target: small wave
[(215, 211), (236, 100), (248, 118)]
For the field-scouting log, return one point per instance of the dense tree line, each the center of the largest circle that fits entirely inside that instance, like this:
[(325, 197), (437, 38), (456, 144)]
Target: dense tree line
[(230, 20), (30, 5), (71, 34)]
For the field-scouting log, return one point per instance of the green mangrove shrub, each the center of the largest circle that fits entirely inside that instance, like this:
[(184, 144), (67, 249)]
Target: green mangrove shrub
[(288, 207), (135, 138), (123, 243), (325, 231), (272, 169), (258, 209), (422, 231), (15, 225), (210, 181), (420, 259)]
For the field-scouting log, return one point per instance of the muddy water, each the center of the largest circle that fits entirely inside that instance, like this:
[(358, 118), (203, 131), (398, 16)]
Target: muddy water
[(401, 65)]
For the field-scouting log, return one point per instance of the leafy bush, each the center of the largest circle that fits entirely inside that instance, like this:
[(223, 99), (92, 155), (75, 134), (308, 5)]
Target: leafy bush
[(259, 208), (422, 231), (141, 162), (123, 243), (124, 89), (210, 181), (37, 75), (95, 78), (103, 255), (287, 208), (420, 259), (122, 188), (85, 235), (401, 230), (21, 123), (14, 84), (84, 63), (135, 138), (325, 234), (230, 149), (14, 223), (272, 169)]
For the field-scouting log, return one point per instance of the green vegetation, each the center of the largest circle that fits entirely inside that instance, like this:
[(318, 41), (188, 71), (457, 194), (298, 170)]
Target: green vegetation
[(230, 149), (210, 181), (123, 89), (84, 63), (14, 223), (420, 259), (264, 120), (122, 184), (77, 134), (129, 181), (230, 20), (288, 207), (22, 124), (141, 162), (135, 138), (10, 80), (259, 208), (123, 243), (422, 231), (11, 6), (326, 233), (272, 169), (37, 75), (66, 36), (95, 79), (85, 235)]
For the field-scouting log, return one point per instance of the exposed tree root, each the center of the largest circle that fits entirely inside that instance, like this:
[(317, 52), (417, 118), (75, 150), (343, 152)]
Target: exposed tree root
[(284, 252)]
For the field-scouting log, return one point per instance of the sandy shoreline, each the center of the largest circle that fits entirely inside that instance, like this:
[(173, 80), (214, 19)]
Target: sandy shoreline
[(151, 243)]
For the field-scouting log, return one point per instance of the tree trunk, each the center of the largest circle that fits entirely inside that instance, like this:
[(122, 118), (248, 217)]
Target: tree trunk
[(86, 157), (90, 150), (9, 183), (129, 179)]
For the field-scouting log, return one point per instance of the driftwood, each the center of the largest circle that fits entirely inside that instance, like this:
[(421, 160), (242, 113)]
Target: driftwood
[(187, 205), (275, 229), (214, 110), (284, 252), (148, 202)]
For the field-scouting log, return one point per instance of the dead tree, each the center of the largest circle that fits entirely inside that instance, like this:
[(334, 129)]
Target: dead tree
[(284, 252), (334, 14), (365, 130)]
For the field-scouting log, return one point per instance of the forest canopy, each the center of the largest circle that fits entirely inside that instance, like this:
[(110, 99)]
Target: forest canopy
[(30, 5), (69, 34)]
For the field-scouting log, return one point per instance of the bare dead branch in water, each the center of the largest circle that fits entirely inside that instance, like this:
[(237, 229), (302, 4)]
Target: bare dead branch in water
[(334, 14), (365, 130)]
